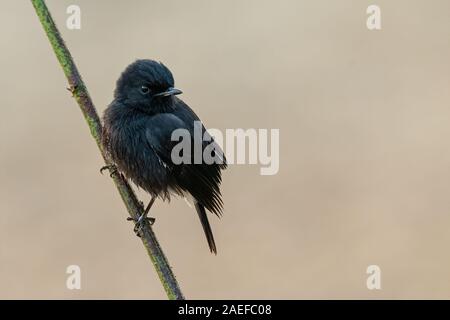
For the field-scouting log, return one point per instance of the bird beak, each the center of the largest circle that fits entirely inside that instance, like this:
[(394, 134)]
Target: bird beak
[(169, 92)]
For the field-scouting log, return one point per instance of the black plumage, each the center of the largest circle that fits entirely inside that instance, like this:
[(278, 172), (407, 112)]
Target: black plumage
[(137, 131)]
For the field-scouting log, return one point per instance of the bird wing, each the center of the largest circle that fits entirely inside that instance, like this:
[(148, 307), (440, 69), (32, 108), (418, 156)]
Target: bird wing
[(189, 117), (158, 133), (202, 180)]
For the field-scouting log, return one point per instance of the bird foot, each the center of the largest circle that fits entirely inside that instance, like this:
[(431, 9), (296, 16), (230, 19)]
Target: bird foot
[(112, 169), (139, 222)]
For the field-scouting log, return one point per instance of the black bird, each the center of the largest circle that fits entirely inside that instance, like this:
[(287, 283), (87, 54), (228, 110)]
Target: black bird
[(138, 126)]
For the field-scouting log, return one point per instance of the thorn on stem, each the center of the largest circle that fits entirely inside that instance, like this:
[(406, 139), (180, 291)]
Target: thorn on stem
[(72, 89)]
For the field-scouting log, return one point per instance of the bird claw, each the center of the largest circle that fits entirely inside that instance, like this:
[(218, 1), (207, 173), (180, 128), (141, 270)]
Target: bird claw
[(139, 222), (112, 169)]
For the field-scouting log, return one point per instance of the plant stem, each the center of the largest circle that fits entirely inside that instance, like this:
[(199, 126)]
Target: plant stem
[(81, 95)]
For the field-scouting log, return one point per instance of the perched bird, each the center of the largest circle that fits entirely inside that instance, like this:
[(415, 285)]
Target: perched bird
[(137, 133)]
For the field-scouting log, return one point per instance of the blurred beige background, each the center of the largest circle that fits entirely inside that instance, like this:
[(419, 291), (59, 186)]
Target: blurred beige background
[(364, 122)]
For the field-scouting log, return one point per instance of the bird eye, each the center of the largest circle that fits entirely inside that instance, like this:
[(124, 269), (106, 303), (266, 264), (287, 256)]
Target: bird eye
[(145, 89)]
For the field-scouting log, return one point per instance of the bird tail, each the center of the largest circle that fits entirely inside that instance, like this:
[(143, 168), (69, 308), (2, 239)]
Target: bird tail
[(206, 226)]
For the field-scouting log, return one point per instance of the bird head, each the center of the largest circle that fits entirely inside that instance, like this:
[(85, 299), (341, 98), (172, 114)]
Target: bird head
[(147, 85)]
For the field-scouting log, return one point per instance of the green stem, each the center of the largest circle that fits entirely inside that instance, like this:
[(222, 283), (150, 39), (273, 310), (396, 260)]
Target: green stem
[(81, 95)]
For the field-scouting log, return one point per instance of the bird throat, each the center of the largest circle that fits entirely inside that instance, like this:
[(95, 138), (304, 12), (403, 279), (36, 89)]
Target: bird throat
[(158, 105)]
